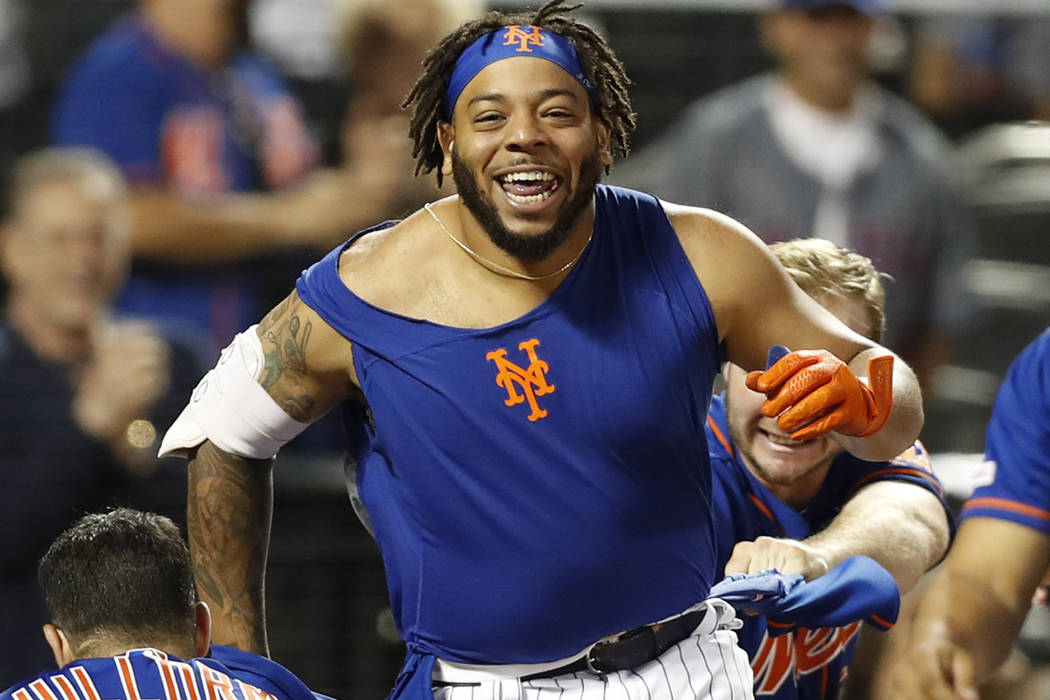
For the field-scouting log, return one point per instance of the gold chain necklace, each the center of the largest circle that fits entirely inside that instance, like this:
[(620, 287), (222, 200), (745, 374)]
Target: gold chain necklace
[(496, 267)]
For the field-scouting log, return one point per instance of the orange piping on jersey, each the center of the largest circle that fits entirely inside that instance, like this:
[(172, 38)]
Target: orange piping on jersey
[(882, 622), (762, 507), (721, 437), (1003, 504), (781, 625), (904, 471)]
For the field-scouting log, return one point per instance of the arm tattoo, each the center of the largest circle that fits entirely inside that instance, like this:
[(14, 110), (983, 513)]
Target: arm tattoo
[(285, 336), (228, 520)]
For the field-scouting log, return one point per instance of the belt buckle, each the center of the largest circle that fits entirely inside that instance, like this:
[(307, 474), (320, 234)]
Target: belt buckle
[(594, 664)]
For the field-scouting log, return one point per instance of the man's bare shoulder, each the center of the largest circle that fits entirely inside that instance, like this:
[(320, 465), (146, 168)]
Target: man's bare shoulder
[(732, 263), (384, 265), (698, 227)]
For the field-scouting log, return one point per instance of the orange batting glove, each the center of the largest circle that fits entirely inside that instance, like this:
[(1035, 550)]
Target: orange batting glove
[(813, 392)]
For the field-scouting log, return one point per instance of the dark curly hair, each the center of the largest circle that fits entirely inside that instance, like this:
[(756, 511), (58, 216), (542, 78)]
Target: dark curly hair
[(599, 62)]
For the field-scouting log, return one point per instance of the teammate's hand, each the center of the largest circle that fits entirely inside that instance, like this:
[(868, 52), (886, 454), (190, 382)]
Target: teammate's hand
[(935, 670), (129, 370), (784, 555), (813, 392)]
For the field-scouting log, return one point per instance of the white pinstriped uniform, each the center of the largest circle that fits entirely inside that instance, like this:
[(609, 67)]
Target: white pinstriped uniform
[(700, 667)]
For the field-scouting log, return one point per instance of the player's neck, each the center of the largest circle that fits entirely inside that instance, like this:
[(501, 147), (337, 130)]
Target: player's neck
[(834, 101), (102, 647), (547, 272), (206, 40)]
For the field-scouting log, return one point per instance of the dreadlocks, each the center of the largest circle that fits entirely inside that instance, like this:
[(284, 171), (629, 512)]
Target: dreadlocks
[(602, 66)]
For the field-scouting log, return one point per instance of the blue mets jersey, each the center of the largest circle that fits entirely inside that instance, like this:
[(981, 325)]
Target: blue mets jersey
[(542, 484), (1013, 482), (149, 674), (802, 663)]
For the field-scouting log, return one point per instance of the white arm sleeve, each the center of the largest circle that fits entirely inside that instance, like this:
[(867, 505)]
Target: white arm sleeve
[(230, 408)]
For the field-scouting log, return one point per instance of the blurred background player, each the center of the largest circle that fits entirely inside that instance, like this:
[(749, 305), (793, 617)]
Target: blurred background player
[(972, 611), (973, 70), (83, 394), (125, 620), (205, 132), (382, 44), (818, 148), (804, 507)]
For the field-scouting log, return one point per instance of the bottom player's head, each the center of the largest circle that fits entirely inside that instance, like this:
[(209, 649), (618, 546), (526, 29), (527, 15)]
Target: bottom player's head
[(846, 284), (523, 111), (64, 245), (121, 580)]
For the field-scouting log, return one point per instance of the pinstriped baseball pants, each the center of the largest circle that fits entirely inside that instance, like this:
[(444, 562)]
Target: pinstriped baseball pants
[(701, 667)]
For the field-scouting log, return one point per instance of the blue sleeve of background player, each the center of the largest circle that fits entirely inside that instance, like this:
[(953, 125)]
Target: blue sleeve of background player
[(1015, 477), (115, 103)]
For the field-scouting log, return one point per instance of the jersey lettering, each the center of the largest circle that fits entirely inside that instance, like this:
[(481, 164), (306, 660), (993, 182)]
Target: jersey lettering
[(65, 688), (42, 691), (217, 686), (87, 686), (179, 681), (797, 654), (21, 694), (250, 692), (525, 37), (531, 380), (127, 679)]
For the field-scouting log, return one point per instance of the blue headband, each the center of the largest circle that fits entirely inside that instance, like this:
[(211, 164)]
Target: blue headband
[(514, 40)]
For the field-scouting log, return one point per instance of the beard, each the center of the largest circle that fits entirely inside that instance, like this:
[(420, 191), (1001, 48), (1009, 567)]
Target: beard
[(527, 248)]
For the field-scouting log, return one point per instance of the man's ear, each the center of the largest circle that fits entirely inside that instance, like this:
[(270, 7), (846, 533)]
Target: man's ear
[(202, 621), (447, 139), (59, 643)]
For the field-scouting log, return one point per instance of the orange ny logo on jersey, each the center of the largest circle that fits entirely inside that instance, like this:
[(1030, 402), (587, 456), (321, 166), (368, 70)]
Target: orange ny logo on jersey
[(523, 384), (525, 37), (797, 653)]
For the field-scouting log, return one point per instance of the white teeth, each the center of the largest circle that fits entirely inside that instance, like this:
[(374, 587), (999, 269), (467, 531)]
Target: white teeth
[(528, 199), (528, 176), (779, 440)]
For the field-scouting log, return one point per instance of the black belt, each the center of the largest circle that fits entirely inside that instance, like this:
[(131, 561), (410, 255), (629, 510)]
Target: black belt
[(626, 650), (630, 649)]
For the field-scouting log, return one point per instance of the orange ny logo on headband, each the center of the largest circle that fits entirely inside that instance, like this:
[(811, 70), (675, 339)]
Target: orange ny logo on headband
[(531, 381), (525, 37)]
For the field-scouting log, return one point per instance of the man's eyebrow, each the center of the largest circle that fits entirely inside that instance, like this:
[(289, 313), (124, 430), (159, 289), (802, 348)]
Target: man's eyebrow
[(545, 94), (493, 96)]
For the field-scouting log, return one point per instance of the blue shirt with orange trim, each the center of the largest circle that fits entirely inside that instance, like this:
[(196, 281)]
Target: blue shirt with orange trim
[(803, 663), (1013, 482), (149, 673), (525, 481), (171, 123)]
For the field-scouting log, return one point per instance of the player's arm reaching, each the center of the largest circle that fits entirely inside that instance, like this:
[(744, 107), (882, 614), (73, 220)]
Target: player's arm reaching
[(971, 614), (822, 387), (902, 526), (271, 382)]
